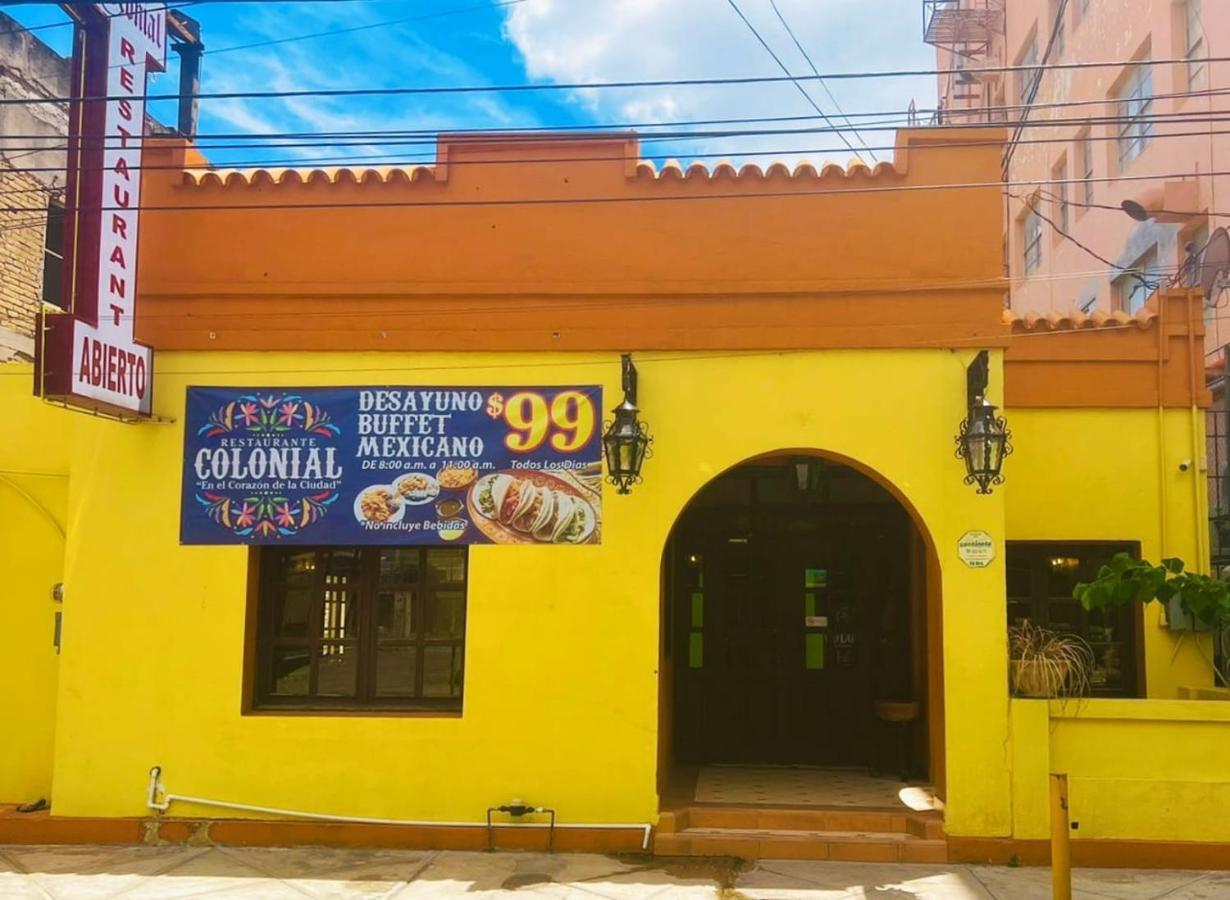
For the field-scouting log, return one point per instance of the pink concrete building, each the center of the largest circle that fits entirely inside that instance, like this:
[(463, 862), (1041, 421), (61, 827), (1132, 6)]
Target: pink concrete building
[(1094, 137)]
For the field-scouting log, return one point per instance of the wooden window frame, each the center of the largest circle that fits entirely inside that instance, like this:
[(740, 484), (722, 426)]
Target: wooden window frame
[(1130, 618), (260, 642)]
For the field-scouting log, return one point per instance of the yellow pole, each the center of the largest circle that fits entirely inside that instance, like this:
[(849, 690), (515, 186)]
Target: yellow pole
[(1061, 837)]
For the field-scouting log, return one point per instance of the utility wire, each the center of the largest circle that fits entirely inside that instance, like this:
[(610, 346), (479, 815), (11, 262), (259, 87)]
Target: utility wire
[(781, 65), (898, 114), (1036, 83), (644, 198), (790, 31), (1126, 270), (590, 86), (387, 160)]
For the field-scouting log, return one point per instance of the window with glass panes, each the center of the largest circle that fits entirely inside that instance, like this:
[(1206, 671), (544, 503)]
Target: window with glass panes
[(1132, 289), (1040, 581), (1195, 52), (1085, 154), (1027, 76), (1062, 208), (1031, 232), (1135, 107), (53, 255), (369, 627)]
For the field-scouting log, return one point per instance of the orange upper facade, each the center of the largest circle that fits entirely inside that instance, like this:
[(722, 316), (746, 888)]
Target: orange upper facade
[(572, 243)]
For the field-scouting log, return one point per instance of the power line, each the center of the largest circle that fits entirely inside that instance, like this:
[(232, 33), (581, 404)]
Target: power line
[(589, 86), (573, 201), (383, 160), (781, 65), (898, 116), (1036, 83), (790, 31)]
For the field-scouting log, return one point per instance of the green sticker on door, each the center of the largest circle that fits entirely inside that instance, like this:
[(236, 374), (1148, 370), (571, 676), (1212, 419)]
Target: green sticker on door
[(813, 650), (815, 578)]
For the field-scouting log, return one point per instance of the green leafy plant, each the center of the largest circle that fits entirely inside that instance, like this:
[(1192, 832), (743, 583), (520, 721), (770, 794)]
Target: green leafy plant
[(1125, 580), (1045, 663)]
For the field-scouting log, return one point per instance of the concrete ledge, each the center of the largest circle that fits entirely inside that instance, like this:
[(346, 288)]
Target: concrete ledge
[(41, 828), (1111, 854), (1139, 710)]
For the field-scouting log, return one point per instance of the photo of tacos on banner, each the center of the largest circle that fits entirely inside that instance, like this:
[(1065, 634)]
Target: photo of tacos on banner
[(538, 508)]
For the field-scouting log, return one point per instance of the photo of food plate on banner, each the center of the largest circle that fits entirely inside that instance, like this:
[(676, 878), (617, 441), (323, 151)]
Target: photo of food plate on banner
[(506, 465)]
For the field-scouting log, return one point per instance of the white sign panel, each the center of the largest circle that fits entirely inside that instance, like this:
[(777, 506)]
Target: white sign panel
[(976, 549)]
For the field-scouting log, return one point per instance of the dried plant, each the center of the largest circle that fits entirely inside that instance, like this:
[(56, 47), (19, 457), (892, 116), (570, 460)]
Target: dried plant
[(1045, 663)]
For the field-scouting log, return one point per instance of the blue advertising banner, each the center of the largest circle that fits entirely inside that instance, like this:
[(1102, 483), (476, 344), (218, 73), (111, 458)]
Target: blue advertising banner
[(392, 465)]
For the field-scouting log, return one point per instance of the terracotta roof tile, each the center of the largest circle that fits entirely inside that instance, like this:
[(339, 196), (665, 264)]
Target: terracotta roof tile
[(1075, 320)]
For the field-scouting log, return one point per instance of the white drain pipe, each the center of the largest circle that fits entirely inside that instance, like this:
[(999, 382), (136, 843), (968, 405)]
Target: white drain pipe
[(156, 789)]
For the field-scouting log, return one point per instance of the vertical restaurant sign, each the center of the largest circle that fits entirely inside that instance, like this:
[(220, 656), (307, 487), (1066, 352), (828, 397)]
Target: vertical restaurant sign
[(89, 356), (392, 465)]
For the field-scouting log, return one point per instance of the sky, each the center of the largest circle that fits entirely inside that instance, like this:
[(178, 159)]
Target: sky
[(507, 42)]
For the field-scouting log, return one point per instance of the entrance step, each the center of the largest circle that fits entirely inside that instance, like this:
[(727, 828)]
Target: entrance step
[(862, 835)]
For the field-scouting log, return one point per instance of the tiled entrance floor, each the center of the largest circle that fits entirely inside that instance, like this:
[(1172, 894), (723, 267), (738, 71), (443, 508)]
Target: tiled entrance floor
[(805, 786)]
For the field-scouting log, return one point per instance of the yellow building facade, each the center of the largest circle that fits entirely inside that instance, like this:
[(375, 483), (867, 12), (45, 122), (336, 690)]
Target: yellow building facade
[(778, 353)]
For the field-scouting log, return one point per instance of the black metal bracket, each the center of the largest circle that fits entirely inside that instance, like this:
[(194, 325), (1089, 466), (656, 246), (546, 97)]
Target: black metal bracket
[(977, 376), (520, 810), (628, 377)]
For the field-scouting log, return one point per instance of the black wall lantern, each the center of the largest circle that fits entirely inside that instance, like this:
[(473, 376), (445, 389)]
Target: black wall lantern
[(625, 439), (984, 439)]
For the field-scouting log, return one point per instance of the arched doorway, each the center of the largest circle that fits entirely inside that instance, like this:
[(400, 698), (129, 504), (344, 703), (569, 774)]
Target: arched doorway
[(800, 596)]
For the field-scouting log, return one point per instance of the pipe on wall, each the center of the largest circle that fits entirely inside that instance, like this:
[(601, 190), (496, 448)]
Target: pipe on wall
[(156, 788)]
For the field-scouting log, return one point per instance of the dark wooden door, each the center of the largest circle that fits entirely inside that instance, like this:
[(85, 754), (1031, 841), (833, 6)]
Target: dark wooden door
[(777, 637)]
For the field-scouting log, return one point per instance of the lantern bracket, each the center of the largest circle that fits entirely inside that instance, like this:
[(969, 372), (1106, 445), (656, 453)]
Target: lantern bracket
[(977, 376), (628, 377)]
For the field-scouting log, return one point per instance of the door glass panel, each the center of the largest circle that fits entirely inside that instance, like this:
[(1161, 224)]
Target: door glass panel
[(291, 669), (445, 614), (294, 612), (337, 669), (339, 619), (442, 671), (395, 670), (395, 614), (399, 565), (446, 567), (298, 569)]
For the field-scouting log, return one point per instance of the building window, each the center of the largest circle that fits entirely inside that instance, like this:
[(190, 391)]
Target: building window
[(1195, 52), (1137, 283), (1135, 107), (360, 628), (1027, 77), (53, 255), (1040, 581), (1059, 175), (1059, 26), (1032, 241), (1084, 155)]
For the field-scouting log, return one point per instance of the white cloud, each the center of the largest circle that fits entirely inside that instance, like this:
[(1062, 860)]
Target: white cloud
[(568, 41)]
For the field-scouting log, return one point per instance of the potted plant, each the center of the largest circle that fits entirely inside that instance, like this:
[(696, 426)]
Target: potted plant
[(1046, 663), (1194, 601)]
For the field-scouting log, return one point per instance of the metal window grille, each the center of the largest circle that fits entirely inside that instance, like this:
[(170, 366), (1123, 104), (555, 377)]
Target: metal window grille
[(1217, 449)]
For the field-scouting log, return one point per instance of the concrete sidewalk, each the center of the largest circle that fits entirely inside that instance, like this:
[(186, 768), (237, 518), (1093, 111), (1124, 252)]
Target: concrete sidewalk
[(52, 873)]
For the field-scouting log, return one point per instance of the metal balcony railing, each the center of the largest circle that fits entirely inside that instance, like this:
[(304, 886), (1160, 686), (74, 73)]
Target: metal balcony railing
[(965, 27)]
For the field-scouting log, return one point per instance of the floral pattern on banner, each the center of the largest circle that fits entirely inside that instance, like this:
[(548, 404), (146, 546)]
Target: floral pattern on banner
[(269, 414), (268, 515)]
